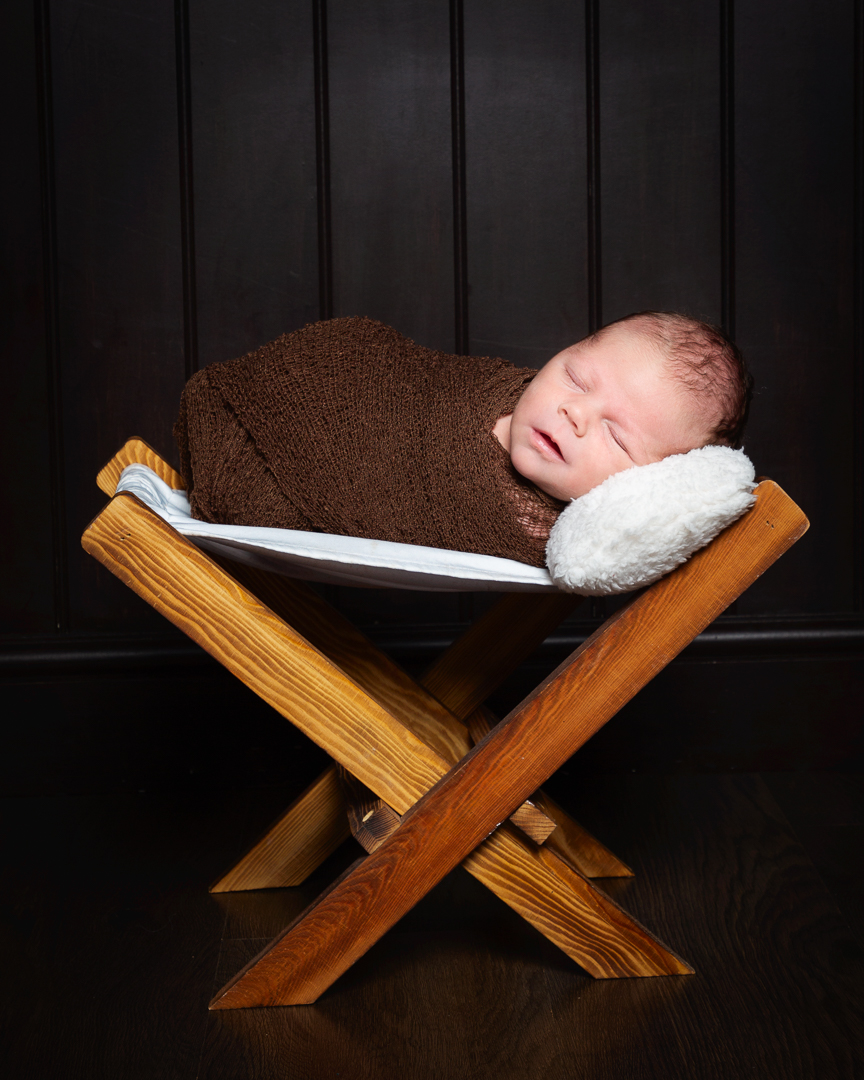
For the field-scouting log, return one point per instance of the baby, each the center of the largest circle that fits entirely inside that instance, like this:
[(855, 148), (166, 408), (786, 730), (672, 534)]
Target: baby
[(348, 427)]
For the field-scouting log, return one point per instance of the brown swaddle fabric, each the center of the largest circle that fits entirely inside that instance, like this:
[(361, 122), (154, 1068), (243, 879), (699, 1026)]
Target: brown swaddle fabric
[(348, 427)]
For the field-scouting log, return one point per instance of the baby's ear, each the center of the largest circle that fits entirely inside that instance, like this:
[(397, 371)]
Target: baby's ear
[(639, 524)]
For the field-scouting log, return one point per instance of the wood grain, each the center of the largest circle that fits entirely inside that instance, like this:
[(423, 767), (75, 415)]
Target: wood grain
[(569, 910), (309, 831), (553, 722), (480, 660), (337, 638), (577, 847), (530, 817), (570, 841), (317, 696), (330, 632), (184, 585), (370, 819), (136, 452)]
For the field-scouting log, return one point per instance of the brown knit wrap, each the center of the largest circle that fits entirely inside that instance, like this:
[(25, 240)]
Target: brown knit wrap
[(348, 427)]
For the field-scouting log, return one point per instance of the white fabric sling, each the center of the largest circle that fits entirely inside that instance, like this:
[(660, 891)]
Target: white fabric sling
[(626, 533)]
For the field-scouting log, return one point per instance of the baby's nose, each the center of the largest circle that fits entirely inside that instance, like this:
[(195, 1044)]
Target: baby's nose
[(575, 412)]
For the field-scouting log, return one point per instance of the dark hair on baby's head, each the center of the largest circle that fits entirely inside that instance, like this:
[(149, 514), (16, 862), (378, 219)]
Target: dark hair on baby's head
[(707, 363)]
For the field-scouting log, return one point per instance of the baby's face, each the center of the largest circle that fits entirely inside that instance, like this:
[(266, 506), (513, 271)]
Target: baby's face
[(598, 408)]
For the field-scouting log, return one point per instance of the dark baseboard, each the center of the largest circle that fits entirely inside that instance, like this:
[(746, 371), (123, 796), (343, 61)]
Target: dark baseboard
[(735, 639), (104, 713)]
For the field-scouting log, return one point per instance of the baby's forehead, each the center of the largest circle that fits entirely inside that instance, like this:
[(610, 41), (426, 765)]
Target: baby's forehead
[(639, 330), (635, 338)]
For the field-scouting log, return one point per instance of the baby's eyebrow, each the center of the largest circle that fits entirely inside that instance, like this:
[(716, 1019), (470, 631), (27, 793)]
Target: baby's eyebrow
[(635, 442), (587, 370)]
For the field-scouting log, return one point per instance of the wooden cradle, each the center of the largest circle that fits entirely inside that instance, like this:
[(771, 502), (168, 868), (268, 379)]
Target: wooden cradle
[(424, 776)]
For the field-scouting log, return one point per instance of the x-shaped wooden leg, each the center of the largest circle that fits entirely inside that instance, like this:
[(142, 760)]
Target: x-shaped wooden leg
[(316, 823), (453, 819), (400, 765)]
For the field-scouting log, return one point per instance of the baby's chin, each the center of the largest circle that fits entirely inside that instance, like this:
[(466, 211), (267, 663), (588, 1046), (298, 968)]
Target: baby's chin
[(543, 484)]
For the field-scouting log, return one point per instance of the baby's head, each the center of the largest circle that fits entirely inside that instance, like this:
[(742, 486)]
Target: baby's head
[(642, 388)]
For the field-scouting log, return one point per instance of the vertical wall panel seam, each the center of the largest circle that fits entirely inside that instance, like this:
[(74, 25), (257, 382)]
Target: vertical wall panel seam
[(858, 313), (187, 187), (727, 166), (52, 315), (460, 214), (322, 159), (592, 128)]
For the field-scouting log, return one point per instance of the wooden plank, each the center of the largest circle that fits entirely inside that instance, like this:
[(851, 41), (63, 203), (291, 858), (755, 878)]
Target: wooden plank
[(136, 452), (525, 103), (489, 650), (392, 191), (280, 858), (254, 141), (271, 658), (120, 268), (499, 773), (337, 638), (531, 819), (660, 159), (150, 556), (370, 819), (799, 187), (307, 833)]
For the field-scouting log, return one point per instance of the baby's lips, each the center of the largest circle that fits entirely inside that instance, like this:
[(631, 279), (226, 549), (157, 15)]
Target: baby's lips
[(553, 444)]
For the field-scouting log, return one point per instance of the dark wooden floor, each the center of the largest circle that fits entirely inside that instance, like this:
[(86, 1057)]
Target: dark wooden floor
[(112, 945)]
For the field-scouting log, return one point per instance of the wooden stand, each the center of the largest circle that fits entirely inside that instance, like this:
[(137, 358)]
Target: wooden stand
[(412, 789)]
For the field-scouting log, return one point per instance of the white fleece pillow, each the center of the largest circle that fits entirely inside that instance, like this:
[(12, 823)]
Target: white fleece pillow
[(640, 524)]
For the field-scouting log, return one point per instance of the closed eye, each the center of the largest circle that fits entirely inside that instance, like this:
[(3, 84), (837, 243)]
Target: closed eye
[(577, 382), (617, 439)]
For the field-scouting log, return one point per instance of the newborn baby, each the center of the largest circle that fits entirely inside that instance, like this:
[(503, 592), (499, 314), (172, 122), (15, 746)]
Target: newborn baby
[(348, 427)]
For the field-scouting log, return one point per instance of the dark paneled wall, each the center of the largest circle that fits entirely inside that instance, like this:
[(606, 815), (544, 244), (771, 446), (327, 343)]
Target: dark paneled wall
[(188, 181)]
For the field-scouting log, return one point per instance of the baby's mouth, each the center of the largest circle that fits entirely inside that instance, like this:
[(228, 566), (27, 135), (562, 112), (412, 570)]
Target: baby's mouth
[(550, 444)]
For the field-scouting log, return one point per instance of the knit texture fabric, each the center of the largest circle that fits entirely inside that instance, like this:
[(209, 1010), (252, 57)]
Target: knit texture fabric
[(348, 427)]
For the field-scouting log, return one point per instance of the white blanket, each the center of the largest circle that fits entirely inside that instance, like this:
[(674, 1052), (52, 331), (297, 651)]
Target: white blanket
[(336, 560)]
